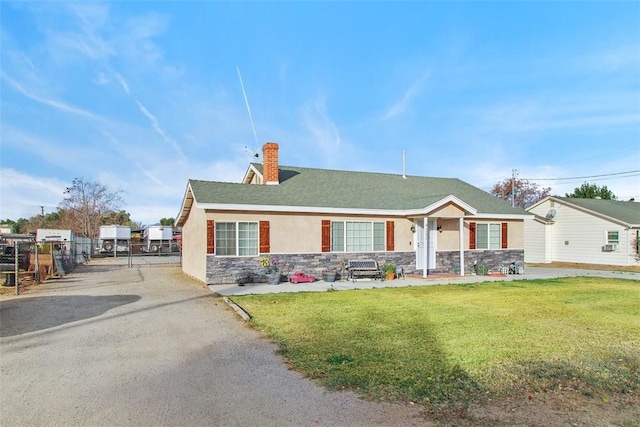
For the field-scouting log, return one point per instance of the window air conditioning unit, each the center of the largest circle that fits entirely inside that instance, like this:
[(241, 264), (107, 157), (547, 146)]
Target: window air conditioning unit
[(610, 248)]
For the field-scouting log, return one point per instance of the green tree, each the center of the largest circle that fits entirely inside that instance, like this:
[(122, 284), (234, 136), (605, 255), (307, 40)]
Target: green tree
[(120, 217), (166, 221), (87, 201), (19, 226), (526, 193), (592, 191)]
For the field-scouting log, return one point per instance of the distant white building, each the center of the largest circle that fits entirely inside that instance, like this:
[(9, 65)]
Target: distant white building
[(586, 231)]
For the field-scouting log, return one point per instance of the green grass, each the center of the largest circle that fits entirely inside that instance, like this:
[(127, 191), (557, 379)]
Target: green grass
[(456, 343)]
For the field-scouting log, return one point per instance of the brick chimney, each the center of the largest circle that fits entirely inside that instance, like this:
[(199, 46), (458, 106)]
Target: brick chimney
[(270, 163)]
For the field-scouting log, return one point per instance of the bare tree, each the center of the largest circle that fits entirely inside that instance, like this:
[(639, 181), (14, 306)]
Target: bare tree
[(526, 193), (87, 202)]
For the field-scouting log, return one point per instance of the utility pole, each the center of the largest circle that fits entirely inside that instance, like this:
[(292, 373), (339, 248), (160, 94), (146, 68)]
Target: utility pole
[(514, 173)]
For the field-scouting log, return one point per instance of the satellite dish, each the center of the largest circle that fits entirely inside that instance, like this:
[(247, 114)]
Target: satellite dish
[(551, 214)]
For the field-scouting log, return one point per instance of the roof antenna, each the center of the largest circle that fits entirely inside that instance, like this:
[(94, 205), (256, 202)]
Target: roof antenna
[(246, 101), (404, 164)]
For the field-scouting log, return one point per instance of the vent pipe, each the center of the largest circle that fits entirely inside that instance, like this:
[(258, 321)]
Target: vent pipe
[(404, 164)]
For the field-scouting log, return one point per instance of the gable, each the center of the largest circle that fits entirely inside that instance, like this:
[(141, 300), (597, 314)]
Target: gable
[(623, 213), (449, 210)]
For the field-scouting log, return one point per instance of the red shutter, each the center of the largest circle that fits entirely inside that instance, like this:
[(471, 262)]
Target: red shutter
[(472, 235), (326, 235), (265, 237), (210, 237), (390, 236), (504, 235)]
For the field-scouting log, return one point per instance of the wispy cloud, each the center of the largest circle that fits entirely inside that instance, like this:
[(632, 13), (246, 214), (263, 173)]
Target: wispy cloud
[(539, 116), (401, 105), (160, 131), (151, 176), (611, 59), (123, 83), (319, 124), (21, 195), (37, 146), (50, 102)]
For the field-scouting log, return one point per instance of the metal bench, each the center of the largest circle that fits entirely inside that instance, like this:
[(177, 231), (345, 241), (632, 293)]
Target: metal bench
[(364, 269)]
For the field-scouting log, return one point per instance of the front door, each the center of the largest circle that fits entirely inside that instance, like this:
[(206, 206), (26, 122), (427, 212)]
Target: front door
[(426, 242), (432, 243)]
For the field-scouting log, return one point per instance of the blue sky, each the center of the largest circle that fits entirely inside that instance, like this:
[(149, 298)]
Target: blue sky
[(143, 96)]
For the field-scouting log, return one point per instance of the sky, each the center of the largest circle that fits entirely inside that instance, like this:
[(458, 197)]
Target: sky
[(143, 96)]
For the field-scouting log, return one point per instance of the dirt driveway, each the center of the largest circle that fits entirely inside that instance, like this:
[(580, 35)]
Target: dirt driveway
[(110, 345)]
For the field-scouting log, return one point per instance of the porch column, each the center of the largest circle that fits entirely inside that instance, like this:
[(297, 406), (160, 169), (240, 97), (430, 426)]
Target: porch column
[(461, 235), (425, 245)]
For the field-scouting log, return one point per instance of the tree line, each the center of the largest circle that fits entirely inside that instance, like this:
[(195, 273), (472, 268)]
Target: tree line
[(526, 193), (86, 205)]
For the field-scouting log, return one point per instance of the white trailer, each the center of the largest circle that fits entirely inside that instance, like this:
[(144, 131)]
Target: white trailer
[(156, 237), (114, 238), (54, 235)]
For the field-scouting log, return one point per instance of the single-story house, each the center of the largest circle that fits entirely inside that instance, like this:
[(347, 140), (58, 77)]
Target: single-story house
[(588, 231), (316, 219)]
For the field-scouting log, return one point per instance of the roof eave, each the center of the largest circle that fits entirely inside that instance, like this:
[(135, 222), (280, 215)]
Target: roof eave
[(185, 208), (339, 211), (297, 209)]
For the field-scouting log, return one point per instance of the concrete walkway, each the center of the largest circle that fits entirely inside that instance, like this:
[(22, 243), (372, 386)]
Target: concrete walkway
[(530, 273)]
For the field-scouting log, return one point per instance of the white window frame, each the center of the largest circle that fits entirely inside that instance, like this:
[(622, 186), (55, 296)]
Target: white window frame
[(240, 248), (610, 241), (344, 238), (491, 227)]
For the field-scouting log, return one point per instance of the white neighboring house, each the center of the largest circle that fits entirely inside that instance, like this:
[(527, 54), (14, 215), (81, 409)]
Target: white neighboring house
[(586, 231)]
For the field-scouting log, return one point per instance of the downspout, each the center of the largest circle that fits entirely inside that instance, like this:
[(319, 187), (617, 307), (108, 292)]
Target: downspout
[(461, 243)]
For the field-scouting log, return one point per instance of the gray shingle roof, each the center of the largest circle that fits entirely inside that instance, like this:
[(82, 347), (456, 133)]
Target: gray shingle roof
[(307, 187), (627, 212)]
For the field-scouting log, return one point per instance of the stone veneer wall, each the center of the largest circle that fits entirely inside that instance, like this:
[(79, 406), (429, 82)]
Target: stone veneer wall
[(247, 270), (449, 261)]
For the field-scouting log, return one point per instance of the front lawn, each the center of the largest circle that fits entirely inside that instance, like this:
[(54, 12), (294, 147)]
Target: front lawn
[(457, 344)]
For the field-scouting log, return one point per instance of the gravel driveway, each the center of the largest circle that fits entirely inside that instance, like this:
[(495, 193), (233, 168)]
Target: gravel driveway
[(110, 345)]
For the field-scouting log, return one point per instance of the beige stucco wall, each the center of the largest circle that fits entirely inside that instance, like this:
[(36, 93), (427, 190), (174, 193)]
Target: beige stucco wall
[(515, 234), (301, 233), (449, 238), (194, 244)]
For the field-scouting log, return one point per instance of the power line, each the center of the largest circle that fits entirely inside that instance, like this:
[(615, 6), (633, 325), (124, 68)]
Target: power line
[(635, 172)]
